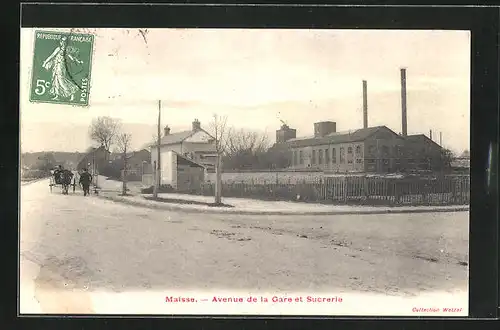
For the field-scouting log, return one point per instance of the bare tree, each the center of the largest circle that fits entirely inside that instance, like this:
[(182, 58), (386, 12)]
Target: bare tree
[(154, 139), (123, 143), (103, 130), (218, 131), (246, 140), (244, 148)]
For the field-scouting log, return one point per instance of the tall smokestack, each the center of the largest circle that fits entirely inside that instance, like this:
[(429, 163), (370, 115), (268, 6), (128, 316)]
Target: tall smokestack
[(365, 105), (440, 138), (403, 102), (430, 134)]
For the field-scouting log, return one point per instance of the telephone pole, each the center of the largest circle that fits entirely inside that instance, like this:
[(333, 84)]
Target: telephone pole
[(158, 144)]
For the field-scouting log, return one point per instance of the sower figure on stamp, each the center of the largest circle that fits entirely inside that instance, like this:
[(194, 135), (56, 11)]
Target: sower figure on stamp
[(62, 85), (85, 180)]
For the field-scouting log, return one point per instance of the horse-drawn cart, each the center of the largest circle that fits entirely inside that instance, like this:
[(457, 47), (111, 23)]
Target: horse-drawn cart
[(63, 179)]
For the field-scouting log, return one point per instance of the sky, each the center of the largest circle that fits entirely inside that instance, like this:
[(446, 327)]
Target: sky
[(257, 77)]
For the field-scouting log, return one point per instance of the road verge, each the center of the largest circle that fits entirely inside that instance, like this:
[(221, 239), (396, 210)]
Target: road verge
[(137, 200)]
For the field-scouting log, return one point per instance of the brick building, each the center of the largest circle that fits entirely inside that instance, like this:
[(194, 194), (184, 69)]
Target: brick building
[(371, 149)]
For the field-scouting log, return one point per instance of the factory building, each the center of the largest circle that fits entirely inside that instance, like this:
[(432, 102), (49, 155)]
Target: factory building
[(369, 149), (372, 149)]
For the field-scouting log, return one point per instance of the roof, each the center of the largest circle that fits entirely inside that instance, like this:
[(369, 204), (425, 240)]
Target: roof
[(186, 161), (143, 152), (420, 137), (95, 149), (91, 150), (338, 137), (174, 138)]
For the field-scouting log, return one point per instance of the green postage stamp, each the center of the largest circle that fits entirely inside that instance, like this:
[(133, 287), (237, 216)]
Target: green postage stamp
[(62, 64)]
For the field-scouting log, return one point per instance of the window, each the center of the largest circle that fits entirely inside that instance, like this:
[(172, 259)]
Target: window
[(320, 156), (334, 156), (372, 150), (342, 155), (296, 158), (358, 151), (301, 157), (359, 161), (327, 156), (313, 160), (385, 150), (349, 155)]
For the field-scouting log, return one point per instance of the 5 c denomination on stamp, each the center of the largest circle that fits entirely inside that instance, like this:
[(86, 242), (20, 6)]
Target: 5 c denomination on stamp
[(62, 65)]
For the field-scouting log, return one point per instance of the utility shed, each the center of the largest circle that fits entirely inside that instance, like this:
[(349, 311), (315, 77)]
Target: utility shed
[(180, 172)]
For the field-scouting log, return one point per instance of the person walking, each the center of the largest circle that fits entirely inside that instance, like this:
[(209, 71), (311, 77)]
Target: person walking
[(85, 180)]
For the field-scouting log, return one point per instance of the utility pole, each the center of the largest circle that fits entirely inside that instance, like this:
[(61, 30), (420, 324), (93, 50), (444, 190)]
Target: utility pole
[(365, 105), (158, 144)]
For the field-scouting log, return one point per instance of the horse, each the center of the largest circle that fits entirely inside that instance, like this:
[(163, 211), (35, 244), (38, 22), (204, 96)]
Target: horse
[(65, 177)]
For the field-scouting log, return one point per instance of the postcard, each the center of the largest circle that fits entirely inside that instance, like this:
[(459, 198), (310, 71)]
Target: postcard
[(244, 171)]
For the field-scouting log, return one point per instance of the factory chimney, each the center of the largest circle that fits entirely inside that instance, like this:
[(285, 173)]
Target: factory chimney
[(403, 102), (365, 105), (441, 138), (430, 134)]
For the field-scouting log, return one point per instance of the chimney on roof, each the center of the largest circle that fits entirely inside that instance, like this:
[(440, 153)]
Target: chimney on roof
[(285, 133), (196, 125), (403, 102), (166, 130), (430, 134), (365, 105), (324, 128)]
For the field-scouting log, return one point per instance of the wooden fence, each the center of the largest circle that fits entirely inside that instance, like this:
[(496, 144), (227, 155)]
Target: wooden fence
[(446, 190)]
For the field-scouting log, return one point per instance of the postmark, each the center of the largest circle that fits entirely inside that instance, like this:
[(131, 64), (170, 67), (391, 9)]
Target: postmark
[(62, 65)]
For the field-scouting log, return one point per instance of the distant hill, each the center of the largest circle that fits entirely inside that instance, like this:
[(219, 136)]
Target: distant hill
[(67, 159)]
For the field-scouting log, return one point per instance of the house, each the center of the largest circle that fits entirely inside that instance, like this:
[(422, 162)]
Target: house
[(181, 173), (95, 158), (196, 145), (136, 162), (371, 149)]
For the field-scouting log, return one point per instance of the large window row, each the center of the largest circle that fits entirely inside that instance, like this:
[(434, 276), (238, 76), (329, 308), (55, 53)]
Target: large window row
[(325, 156)]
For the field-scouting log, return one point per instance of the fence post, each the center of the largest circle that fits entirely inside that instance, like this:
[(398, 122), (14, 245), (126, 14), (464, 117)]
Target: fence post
[(426, 191), (397, 191), (366, 188), (344, 192)]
